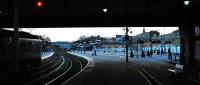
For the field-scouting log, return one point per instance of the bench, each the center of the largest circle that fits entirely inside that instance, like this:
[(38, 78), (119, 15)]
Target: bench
[(178, 69)]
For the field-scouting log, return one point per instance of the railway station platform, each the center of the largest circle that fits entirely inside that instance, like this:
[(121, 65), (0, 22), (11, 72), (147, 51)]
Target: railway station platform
[(113, 70)]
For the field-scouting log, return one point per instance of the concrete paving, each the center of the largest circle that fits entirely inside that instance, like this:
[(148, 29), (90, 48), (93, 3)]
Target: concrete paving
[(111, 69)]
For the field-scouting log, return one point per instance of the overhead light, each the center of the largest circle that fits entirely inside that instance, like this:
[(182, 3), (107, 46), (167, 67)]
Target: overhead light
[(105, 10), (186, 2)]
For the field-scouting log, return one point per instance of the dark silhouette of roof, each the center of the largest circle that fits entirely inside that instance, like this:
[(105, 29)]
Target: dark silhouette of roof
[(89, 13), (9, 33)]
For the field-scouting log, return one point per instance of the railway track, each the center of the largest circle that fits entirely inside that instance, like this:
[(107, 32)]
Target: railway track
[(44, 72), (61, 71), (76, 66), (47, 67), (45, 64)]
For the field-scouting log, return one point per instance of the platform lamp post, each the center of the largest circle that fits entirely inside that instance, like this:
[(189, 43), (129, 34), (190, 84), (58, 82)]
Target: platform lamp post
[(84, 47), (151, 42), (137, 47), (164, 40), (126, 41)]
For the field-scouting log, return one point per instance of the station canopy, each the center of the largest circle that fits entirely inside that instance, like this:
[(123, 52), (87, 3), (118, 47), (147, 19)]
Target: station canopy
[(101, 13)]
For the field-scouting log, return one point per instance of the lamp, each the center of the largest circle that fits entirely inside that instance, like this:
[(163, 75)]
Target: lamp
[(105, 10), (186, 2)]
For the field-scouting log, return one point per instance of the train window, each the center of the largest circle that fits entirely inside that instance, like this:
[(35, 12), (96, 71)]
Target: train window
[(197, 31), (30, 46), (9, 40), (33, 43), (20, 47), (23, 46)]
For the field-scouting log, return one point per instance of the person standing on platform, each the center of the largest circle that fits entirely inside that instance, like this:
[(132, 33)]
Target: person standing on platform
[(131, 54), (158, 52), (148, 53), (143, 55), (169, 54), (151, 53), (95, 52), (162, 51)]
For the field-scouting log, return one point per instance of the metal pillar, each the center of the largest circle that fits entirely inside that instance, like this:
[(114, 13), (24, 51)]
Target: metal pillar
[(137, 46), (164, 41), (16, 33), (126, 38), (16, 69)]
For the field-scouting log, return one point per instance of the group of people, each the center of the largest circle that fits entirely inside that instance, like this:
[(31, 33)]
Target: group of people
[(149, 53)]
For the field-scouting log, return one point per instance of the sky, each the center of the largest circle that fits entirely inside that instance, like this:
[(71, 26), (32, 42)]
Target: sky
[(72, 34)]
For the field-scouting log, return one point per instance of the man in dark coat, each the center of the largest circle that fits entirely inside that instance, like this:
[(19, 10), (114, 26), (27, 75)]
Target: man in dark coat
[(143, 55), (162, 51), (131, 54), (151, 53), (148, 53), (169, 54), (158, 52)]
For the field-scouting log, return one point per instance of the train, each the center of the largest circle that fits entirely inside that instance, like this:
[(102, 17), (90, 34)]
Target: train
[(29, 50)]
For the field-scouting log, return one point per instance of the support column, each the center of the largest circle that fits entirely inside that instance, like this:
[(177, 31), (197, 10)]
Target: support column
[(187, 45), (16, 76), (16, 33), (187, 57)]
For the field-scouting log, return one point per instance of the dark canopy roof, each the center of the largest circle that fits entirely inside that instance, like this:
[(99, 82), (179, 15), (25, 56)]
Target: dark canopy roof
[(83, 13)]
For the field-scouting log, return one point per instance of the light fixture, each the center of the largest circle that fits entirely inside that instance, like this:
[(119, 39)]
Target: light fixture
[(1, 12), (105, 10), (105, 7), (186, 2)]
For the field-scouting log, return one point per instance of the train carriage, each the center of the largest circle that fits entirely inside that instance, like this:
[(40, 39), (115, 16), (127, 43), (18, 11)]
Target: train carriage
[(29, 50)]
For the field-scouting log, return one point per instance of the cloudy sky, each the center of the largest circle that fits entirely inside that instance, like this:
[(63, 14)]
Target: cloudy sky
[(72, 34)]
